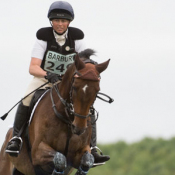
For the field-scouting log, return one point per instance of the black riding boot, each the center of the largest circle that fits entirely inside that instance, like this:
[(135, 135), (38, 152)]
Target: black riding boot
[(21, 118), (99, 158)]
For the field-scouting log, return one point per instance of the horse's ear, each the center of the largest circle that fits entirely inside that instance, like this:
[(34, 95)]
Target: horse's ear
[(101, 67), (78, 63)]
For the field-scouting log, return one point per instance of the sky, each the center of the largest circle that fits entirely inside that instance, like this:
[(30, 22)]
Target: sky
[(139, 38)]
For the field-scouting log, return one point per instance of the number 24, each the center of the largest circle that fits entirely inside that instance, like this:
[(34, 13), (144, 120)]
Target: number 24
[(60, 67)]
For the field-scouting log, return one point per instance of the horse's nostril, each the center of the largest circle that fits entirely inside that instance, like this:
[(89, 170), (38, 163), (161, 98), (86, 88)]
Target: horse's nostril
[(73, 126), (77, 130)]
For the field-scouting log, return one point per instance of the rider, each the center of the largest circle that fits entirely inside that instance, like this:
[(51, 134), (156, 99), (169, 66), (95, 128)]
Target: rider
[(59, 39)]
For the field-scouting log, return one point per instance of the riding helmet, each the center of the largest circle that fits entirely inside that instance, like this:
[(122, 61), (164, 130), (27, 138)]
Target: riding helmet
[(61, 10)]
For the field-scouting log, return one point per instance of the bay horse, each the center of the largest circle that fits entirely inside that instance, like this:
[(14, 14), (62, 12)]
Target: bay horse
[(60, 130)]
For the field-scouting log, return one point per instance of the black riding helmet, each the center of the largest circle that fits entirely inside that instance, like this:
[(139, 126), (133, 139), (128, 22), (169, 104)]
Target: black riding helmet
[(61, 9)]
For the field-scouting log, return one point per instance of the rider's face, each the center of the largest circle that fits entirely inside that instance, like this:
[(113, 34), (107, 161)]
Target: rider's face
[(60, 25)]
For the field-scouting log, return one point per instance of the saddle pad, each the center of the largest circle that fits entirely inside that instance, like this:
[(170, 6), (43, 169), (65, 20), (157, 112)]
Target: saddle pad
[(36, 104)]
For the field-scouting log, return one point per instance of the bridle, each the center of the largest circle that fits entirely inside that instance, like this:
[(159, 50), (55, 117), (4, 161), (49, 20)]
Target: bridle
[(69, 108)]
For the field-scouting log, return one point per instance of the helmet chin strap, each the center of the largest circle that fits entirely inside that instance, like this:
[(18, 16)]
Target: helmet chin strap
[(56, 31)]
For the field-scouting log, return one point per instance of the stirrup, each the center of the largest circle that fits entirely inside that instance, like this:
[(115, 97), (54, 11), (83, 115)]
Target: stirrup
[(97, 148), (101, 153), (13, 152)]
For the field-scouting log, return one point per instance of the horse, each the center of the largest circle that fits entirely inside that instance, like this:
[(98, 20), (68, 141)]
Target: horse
[(61, 126)]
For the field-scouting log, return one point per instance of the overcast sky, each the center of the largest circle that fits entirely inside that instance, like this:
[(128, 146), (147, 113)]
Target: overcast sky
[(137, 35)]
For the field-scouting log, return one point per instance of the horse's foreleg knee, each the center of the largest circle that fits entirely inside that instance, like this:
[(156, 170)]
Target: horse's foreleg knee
[(60, 164), (87, 162)]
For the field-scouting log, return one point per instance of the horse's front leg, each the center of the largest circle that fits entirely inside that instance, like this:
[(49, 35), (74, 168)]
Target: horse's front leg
[(47, 161), (60, 164), (87, 162)]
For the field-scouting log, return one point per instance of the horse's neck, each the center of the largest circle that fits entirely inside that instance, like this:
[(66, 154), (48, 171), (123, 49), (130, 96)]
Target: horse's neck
[(65, 84)]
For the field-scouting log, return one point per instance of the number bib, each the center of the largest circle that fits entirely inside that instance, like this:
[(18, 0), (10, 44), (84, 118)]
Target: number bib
[(58, 63)]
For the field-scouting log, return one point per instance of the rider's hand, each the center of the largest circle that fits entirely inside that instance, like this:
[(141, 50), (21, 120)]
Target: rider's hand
[(52, 78)]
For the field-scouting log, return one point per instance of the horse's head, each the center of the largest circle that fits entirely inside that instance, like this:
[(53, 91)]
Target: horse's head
[(84, 90)]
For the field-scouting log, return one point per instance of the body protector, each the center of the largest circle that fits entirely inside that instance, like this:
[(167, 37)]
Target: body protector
[(58, 58)]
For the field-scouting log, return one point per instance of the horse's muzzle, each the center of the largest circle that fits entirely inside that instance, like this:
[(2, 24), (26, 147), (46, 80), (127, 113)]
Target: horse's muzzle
[(78, 131)]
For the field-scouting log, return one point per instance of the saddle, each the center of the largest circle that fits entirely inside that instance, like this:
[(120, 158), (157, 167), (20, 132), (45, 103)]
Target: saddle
[(35, 98)]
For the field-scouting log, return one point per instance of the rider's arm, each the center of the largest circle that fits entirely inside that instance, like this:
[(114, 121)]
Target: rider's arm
[(35, 68), (36, 60)]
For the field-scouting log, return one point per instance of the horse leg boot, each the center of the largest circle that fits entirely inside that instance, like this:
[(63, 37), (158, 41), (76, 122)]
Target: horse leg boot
[(99, 158), (87, 162), (21, 118), (60, 164)]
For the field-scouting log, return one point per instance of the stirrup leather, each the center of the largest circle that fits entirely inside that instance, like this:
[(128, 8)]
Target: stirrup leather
[(101, 153), (20, 146)]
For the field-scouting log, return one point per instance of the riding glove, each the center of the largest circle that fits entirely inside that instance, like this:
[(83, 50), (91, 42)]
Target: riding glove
[(52, 78)]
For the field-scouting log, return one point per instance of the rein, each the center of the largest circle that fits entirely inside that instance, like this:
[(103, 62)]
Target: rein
[(110, 99), (69, 109), (59, 115), (69, 106)]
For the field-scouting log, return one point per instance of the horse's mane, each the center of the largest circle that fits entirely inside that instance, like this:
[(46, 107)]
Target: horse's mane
[(84, 55)]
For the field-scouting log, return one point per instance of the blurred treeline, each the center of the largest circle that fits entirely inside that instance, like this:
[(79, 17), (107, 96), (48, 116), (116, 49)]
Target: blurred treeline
[(147, 157)]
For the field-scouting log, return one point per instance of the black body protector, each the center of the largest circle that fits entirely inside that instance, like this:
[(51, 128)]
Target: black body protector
[(58, 58)]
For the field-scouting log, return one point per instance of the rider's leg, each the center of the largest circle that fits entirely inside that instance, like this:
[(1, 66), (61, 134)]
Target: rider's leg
[(99, 158), (21, 119), (22, 116)]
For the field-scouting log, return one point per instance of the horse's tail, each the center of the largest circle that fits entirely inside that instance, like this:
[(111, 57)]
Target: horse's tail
[(86, 53)]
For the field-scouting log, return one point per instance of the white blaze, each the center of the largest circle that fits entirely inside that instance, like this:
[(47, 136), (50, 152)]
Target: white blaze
[(84, 88)]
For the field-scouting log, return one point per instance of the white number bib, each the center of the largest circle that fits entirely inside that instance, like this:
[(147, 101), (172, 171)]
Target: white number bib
[(58, 63)]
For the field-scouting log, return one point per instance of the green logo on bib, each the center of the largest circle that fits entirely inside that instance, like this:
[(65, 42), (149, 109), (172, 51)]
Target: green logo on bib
[(58, 63)]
